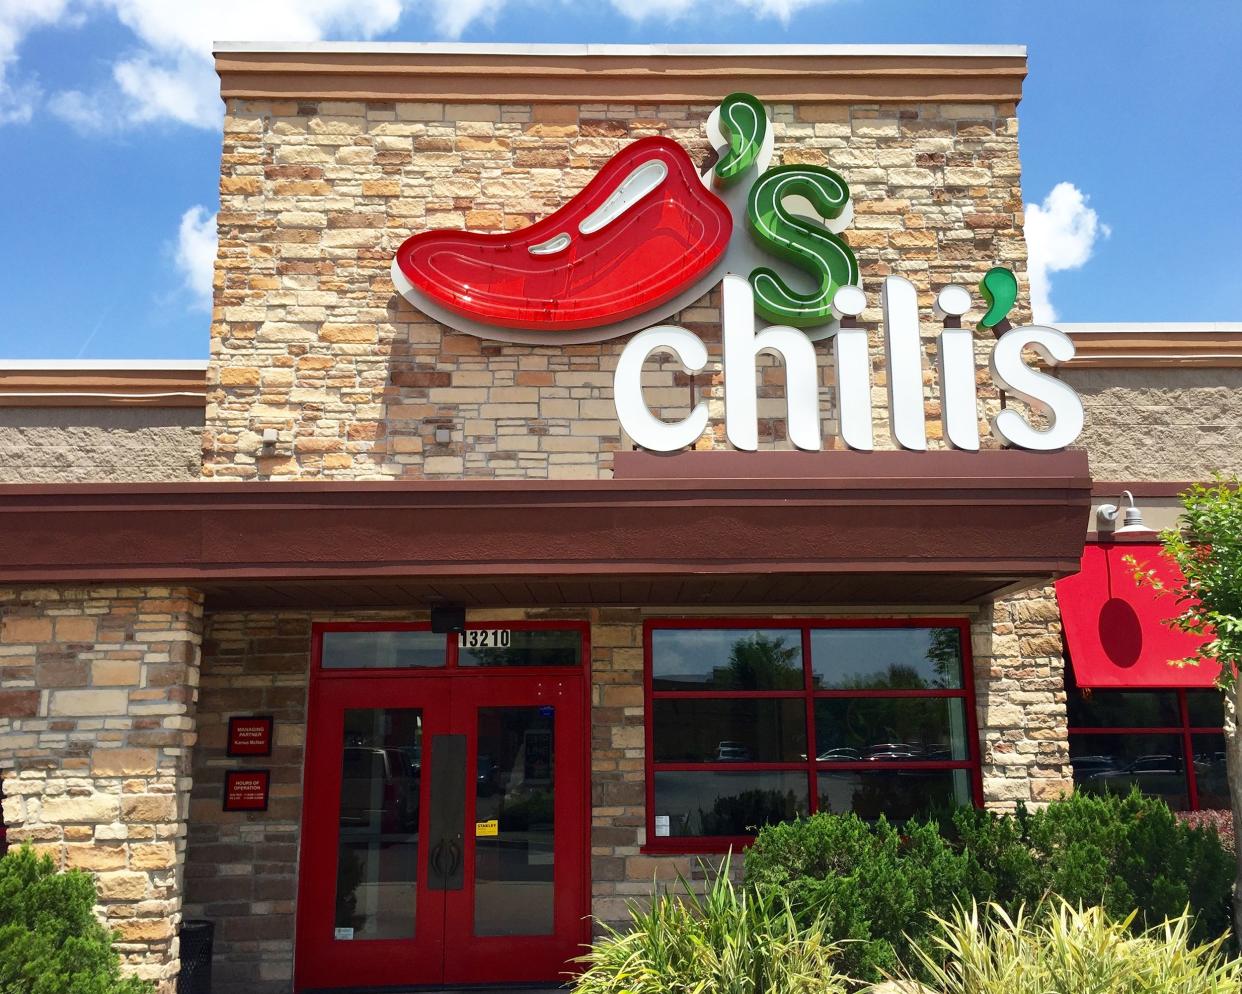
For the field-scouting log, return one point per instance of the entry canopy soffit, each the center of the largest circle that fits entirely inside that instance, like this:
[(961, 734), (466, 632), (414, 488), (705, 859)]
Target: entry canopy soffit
[(699, 529)]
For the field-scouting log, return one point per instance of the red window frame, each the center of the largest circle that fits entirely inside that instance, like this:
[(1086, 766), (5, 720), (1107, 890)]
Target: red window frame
[(812, 766), (1185, 730)]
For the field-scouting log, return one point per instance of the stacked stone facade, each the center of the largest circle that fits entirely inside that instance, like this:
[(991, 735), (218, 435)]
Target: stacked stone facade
[(97, 724), (311, 340)]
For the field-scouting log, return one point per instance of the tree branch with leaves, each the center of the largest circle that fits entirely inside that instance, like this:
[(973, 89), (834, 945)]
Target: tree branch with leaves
[(1206, 547)]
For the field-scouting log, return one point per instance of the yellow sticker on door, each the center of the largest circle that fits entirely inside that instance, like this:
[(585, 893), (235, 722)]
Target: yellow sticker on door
[(487, 827)]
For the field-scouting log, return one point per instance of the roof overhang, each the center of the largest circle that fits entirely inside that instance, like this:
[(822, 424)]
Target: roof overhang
[(832, 528), (621, 74)]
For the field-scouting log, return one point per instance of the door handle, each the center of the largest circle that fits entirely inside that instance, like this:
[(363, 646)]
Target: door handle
[(448, 811), (436, 862)]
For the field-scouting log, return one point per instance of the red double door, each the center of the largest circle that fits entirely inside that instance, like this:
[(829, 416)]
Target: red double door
[(444, 830)]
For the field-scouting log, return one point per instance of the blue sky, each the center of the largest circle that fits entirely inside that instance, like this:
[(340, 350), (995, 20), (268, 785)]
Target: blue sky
[(109, 134)]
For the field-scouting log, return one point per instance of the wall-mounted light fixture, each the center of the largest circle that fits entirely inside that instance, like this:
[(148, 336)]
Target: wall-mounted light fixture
[(443, 435), (269, 441), (1132, 520)]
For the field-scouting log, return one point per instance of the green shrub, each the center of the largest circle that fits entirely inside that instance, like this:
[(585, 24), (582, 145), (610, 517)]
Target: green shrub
[(870, 884), (1070, 950), (734, 940), (50, 941), (1132, 852), (875, 885)]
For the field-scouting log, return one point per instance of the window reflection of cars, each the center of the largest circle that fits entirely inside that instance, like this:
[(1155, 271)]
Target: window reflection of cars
[(732, 752), (378, 789), (842, 755), (893, 752), (1157, 773)]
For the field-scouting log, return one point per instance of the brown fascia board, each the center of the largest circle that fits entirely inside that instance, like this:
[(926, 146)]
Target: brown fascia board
[(1022, 518), (103, 385), (1155, 346), (623, 74)]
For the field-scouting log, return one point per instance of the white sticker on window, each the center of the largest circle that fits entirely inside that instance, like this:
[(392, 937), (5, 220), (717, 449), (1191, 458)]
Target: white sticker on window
[(343, 933), (661, 826)]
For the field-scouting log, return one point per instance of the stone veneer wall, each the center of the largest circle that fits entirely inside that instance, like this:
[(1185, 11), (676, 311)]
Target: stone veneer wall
[(310, 339), (1161, 423), (96, 727), (1020, 701), (241, 868)]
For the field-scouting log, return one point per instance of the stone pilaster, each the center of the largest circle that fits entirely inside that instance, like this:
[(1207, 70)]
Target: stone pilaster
[(97, 722), (1020, 701)]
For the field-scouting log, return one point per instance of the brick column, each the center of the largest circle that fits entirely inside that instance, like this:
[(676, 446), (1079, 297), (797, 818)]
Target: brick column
[(97, 721), (1020, 701)]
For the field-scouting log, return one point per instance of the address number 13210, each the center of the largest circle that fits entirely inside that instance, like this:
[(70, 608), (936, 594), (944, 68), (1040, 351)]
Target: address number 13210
[(484, 638)]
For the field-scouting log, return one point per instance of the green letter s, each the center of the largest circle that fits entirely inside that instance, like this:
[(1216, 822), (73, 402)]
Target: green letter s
[(806, 244)]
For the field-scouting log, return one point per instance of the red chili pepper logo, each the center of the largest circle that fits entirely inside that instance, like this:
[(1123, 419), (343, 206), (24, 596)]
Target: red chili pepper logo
[(641, 232)]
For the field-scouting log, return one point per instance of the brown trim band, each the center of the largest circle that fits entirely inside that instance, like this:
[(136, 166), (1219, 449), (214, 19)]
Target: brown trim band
[(1003, 525), (103, 388), (491, 77), (1218, 349)]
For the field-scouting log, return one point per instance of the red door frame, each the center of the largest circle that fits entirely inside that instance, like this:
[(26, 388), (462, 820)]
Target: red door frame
[(383, 687)]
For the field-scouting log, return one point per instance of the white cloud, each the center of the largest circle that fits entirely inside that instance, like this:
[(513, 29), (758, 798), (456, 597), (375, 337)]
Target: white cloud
[(168, 74), (196, 253), (17, 19), (1060, 234), (75, 107)]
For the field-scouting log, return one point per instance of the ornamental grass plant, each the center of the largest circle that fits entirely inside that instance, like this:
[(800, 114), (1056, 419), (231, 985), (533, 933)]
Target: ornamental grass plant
[(1063, 949), (735, 939)]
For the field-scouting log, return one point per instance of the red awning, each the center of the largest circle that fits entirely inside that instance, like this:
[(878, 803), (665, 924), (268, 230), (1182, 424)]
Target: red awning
[(1115, 629)]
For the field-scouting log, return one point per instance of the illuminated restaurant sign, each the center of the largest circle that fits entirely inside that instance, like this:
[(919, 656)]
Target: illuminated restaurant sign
[(650, 234)]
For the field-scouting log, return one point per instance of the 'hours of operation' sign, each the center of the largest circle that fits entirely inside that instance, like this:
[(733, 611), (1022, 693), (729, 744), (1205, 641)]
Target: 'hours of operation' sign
[(246, 790)]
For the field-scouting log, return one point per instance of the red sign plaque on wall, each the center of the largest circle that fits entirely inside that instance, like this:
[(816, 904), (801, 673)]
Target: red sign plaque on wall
[(250, 736), (246, 790)]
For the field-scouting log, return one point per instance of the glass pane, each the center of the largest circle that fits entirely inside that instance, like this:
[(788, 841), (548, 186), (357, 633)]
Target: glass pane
[(1123, 708), (1114, 763), (544, 647), (889, 729), (726, 659), (727, 803), (381, 650), (1206, 708), (898, 795), (1210, 771), (377, 865), (514, 787), (886, 658), (729, 730)]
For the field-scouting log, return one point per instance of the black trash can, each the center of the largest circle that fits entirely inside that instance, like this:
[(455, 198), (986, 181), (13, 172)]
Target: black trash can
[(197, 937)]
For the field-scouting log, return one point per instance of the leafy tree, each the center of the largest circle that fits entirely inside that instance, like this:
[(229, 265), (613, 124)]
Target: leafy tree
[(760, 662), (1207, 548)]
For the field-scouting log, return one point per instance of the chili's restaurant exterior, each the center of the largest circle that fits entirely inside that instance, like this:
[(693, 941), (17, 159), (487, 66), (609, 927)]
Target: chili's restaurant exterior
[(602, 452)]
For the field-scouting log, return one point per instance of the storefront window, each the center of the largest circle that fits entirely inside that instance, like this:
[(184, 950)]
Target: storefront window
[(754, 724), (1165, 742)]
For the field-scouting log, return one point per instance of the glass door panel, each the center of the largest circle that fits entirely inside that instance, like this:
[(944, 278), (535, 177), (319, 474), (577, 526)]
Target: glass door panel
[(377, 851), (515, 817)]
